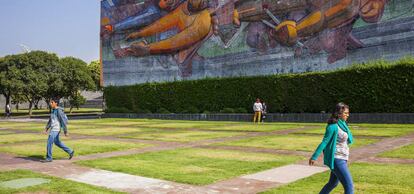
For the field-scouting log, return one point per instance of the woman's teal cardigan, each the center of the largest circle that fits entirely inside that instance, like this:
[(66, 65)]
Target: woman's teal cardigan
[(328, 144)]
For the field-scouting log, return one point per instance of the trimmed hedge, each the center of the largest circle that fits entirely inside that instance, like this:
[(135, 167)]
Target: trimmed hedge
[(375, 87)]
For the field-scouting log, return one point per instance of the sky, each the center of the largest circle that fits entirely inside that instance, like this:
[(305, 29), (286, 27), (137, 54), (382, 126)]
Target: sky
[(64, 27)]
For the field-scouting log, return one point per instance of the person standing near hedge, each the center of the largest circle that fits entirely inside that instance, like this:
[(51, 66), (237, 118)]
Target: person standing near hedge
[(264, 111), (336, 151), (257, 108)]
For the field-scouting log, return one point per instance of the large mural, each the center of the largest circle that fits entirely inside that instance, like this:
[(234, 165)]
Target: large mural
[(179, 32)]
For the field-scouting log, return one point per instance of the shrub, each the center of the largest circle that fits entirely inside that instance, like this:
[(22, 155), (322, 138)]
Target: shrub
[(373, 87), (227, 110), (117, 110), (143, 111), (163, 111), (193, 110), (240, 110)]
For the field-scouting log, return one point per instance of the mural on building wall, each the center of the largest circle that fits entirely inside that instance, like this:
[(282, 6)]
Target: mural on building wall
[(176, 30)]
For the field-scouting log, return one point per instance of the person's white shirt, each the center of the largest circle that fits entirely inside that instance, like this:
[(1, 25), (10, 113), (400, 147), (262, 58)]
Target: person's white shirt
[(257, 106)]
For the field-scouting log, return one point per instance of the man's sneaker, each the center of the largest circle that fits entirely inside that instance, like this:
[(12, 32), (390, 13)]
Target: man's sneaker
[(71, 154), (44, 161)]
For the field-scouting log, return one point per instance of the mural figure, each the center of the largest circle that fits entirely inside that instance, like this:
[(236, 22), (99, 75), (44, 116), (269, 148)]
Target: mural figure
[(180, 27), (189, 21), (127, 14), (305, 20)]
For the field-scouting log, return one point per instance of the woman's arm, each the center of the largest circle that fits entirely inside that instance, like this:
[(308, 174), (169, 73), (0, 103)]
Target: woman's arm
[(328, 135)]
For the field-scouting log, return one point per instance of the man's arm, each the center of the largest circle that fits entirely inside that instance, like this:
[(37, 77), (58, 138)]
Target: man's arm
[(48, 125), (61, 121)]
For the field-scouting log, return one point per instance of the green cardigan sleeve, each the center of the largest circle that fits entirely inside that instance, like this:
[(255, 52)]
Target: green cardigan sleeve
[(326, 138)]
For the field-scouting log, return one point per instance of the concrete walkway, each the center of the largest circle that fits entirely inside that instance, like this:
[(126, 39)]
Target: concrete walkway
[(136, 184), (286, 174)]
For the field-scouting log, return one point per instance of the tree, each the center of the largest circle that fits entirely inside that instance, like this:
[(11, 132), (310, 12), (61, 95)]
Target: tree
[(76, 101), (35, 70), (10, 75), (95, 69), (76, 77), (40, 75), (53, 72), (17, 98)]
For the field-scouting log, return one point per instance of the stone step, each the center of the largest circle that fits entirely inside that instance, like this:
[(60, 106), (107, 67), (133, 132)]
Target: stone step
[(286, 174)]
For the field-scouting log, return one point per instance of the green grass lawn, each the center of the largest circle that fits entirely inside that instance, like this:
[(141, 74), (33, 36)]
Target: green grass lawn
[(181, 136), (111, 120), (77, 127), (179, 124), (30, 126), (370, 130), (289, 142), (56, 185), (22, 137), (108, 130), (365, 125), (406, 152), (5, 132), (152, 123), (192, 166), (81, 147), (76, 123), (257, 127), (368, 179)]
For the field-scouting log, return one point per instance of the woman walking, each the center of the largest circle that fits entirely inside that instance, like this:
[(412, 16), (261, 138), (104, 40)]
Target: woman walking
[(336, 151)]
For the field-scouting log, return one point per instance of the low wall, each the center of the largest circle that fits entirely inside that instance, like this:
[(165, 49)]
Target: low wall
[(404, 118)]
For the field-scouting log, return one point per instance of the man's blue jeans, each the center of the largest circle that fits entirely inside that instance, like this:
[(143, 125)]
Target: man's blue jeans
[(54, 138), (340, 173)]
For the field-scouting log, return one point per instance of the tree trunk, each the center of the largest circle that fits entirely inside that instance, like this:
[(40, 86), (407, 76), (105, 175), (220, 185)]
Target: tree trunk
[(70, 110), (17, 107), (30, 107), (36, 104), (48, 105), (103, 102), (7, 96)]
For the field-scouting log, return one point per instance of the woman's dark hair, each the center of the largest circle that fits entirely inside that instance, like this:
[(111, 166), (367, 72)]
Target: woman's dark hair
[(339, 109)]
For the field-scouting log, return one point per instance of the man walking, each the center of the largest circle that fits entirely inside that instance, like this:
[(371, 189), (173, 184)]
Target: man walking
[(57, 121), (257, 108)]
